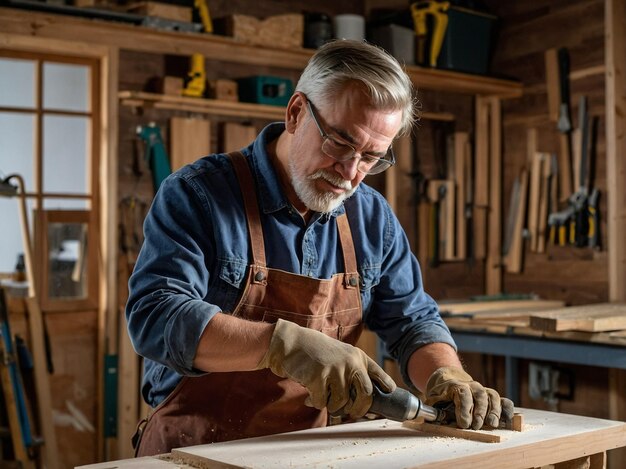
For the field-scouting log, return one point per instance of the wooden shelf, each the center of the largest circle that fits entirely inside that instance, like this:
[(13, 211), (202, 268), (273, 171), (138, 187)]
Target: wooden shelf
[(214, 107), (139, 38), (222, 108)]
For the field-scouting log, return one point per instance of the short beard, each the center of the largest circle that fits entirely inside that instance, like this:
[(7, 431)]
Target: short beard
[(322, 202)]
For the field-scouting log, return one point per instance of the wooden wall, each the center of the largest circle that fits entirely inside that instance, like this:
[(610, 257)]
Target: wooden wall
[(526, 31)]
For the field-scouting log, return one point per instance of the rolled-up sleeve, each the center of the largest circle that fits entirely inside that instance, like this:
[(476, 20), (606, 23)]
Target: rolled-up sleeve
[(166, 311)]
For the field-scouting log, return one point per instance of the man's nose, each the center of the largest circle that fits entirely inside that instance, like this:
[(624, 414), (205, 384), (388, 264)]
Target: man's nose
[(348, 169)]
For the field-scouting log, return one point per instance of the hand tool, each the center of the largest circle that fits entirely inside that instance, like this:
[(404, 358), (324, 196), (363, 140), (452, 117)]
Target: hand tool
[(202, 10), (155, 153), (419, 11), (593, 235), (564, 124), (401, 405), (195, 84)]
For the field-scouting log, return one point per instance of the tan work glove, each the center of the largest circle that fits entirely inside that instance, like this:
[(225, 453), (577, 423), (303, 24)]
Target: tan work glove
[(337, 375), (474, 404)]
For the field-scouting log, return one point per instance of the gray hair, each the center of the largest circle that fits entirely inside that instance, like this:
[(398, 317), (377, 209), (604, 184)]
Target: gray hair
[(340, 62)]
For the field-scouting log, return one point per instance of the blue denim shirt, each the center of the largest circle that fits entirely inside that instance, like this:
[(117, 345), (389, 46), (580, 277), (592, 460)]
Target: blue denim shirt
[(193, 263)]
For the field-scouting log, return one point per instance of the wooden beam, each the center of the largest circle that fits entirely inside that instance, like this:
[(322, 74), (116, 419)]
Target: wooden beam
[(481, 177), (615, 62), (493, 266)]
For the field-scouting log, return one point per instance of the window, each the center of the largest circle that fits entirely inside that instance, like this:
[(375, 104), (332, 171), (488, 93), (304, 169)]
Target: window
[(49, 125)]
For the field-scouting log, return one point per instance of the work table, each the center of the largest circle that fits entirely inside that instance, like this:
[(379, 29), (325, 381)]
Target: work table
[(548, 438)]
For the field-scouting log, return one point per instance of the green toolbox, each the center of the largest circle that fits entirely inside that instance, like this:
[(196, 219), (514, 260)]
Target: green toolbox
[(265, 89)]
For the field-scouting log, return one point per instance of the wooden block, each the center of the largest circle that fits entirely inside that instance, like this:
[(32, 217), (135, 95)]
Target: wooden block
[(223, 89), (162, 10), (167, 85), (190, 139), (518, 423), (444, 430), (284, 31), (461, 147), (588, 318)]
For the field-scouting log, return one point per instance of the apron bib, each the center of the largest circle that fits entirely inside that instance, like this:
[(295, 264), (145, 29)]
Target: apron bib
[(227, 406)]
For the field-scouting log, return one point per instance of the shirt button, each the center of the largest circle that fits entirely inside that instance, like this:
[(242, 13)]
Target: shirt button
[(310, 273)]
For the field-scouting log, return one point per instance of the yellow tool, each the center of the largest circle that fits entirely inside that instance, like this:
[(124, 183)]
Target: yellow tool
[(205, 16), (196, 78), (420, 11)]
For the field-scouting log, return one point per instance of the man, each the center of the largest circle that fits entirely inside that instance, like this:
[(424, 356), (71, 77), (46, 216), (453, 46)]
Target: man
[(259, 270)]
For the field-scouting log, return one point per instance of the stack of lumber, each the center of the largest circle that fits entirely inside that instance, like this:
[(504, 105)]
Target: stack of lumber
[(603, 322)]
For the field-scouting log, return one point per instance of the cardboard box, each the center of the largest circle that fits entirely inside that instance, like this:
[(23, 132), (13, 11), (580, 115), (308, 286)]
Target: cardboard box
[(284, 31), (162, 10), (398, 40), (226, 90)]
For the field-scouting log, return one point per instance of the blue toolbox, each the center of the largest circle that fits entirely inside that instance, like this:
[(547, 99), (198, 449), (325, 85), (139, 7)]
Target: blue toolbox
[(264, 89)]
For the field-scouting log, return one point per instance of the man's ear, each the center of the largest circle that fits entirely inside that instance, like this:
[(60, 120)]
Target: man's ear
[(295, 112)]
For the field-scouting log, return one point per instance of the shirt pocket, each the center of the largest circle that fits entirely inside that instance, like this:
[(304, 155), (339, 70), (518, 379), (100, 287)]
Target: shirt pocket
[(226, 290)]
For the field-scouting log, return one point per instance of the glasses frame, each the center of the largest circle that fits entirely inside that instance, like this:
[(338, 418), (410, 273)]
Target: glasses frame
[(376, 169)]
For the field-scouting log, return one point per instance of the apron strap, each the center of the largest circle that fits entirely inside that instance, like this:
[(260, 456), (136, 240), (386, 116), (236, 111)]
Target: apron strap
[(351, 276), (247, 186)]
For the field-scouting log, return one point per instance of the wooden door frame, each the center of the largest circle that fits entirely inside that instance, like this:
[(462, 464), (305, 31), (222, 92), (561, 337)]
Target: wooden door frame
[(106, 197)]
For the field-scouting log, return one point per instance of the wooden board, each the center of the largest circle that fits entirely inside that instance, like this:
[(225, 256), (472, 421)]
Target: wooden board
[(547, 438), (590, 318), (236, 136), (504, 305), (190, 139)]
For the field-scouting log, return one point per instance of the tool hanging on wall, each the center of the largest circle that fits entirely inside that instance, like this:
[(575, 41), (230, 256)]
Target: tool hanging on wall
[(37, 328), (201, 9), (195, 84), (422, 12), (23, 441), (154, 153)]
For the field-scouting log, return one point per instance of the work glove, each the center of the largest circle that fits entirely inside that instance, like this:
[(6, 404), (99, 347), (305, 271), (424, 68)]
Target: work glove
[(336, 375), (474, 404)]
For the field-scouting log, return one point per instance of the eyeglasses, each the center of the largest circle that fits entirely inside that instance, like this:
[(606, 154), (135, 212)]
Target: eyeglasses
[(368, 164)]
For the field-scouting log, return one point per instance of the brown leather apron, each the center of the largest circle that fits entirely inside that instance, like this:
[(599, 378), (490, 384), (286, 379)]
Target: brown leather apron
[(228, 406)]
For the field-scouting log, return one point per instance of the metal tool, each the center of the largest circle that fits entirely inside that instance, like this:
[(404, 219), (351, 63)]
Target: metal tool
[(564, 123), (400, 405), (155, 153), (419, 11)]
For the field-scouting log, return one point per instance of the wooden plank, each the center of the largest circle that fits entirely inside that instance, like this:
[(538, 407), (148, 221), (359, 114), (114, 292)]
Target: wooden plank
[(514, 258), (546, 173), (615, 53), (235, 136), (461, 146), (42, 384), (454, 432), (590, 318), (481, 177), (534, 198), (552, 83), (201, 105), (547, 438), (190, 139), (493, 264), (504, 305)]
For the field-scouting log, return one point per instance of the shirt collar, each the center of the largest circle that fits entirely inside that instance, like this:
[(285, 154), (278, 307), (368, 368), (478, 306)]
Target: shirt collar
[(272, 197)]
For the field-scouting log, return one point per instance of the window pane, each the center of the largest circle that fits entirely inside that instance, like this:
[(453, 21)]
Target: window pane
[(65, 154), (65, 204), (67, 260), (17, 146), (12, 245), (17, 83), (65, 87)]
